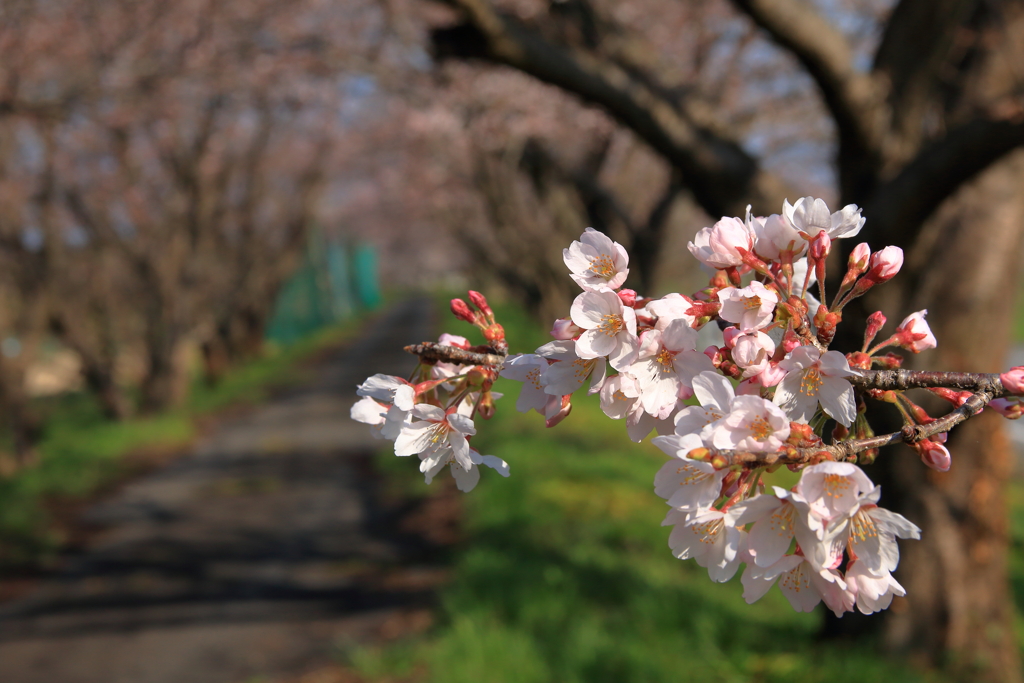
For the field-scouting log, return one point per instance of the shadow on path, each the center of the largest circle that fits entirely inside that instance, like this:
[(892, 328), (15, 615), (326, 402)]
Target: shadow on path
[(253, 555)]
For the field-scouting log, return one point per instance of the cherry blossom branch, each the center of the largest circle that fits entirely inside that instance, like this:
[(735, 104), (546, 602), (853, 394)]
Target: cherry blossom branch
[(900, 380), (846, 451), (434, 352)]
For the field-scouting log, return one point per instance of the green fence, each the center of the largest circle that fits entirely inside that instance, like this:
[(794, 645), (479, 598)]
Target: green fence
[(334, 281)]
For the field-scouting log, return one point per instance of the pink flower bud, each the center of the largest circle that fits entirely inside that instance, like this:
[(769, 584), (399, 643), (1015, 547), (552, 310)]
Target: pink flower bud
[(730, 334), (914, 334), (627, 297), (820, 246), (876, 321), (565, 329), (885, 264), (1010, 408), (1013, 380), (462, 311), (934, 455), (557, 409), (480, 301), (715, 354), (859, 258)]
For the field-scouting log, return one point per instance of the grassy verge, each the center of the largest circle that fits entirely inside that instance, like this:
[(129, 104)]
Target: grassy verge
[(565, 575), (81, 452)]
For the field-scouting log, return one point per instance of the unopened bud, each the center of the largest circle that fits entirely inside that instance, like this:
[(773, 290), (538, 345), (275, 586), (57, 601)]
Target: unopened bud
[(800, 433), (859, 360), (730, 334), (875, 323), (820, 246), (859, 257), (914, 334), (462, 311), (627, 297), (1013, 380), (480, 301), (889, 361), (557, 410), (565, 329), (934, 455), (494, 332), (885, 264), (1010, 408), (715, 354), (719, 462)]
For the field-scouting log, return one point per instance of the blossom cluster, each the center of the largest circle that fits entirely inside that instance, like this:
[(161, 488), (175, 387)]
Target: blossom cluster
[(725, 412)]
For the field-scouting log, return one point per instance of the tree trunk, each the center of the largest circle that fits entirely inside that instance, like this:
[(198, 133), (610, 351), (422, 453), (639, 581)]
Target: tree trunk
[(959, 610)]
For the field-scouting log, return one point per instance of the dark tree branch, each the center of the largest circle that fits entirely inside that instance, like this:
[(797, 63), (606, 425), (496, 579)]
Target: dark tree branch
[(724, 178), (904, 202), (434, 352)]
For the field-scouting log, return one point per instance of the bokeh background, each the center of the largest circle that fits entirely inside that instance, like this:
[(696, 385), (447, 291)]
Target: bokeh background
[(219, 215)]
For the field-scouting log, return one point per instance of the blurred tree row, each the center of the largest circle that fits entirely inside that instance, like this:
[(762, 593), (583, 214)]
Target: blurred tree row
[(160, 164)]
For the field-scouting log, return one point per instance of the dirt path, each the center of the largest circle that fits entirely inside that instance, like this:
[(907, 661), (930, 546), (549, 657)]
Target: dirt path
[(252, 557)]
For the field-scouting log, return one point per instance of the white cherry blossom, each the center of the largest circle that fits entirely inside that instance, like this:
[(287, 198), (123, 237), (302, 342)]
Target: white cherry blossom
[(718, 245), (465, 478), (810, 216), (715, 394), (668, 361), (873, 592), (435, 435), (751, 307), (686, 484), (610, 328), (814, 377), (833, 488), (570, 371), (802, 584), (870, 533), (777, 520), (753, 352), (528, 368), (597, 263), (669, 308), (707, 538), (753, 424)]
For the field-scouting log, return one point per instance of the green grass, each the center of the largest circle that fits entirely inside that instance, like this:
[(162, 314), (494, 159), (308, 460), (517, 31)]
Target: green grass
[(81, 451), (565, 575)]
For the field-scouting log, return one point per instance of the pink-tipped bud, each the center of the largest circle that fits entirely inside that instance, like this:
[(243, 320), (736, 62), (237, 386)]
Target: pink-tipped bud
[(858, 261), (1013, 380), (1010, 408), (480, 301), (730, 334), (914, 334), (558, 409), (876, 321), (790, 341), (715, 354), (627, 297), (462, 311), (820, 246), (565, 329), (934, 455), (885, 264)]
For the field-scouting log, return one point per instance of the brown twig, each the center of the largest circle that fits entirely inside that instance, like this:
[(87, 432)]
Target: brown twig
[(901, 380), (846, 451), (434, 352)]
